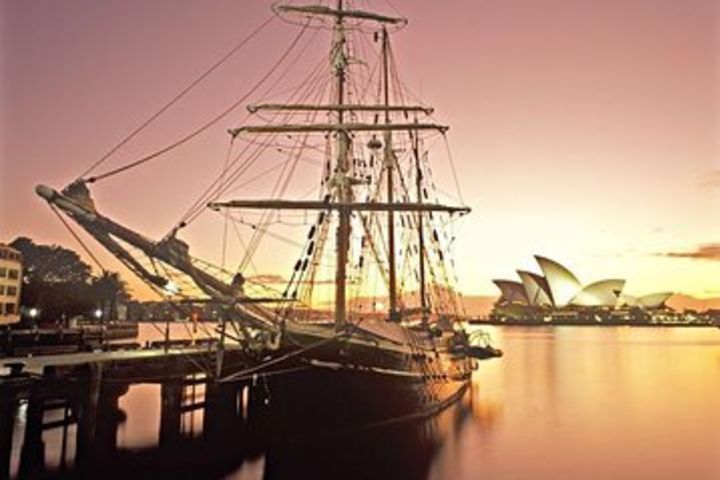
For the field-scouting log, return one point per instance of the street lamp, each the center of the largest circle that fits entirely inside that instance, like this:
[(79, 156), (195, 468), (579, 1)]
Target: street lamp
[(33, 312), (171, 288), (98, 313)]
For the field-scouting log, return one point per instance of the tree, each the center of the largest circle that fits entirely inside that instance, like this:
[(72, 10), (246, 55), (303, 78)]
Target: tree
[(51, 263), (108, 289), (61, 285)]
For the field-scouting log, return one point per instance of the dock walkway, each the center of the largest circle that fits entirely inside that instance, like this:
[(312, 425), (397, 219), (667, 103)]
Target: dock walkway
[(88, 385)]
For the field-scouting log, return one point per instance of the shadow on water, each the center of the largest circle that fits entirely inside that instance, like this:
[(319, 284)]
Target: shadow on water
[(190, 427), (236, 442), (403, 451)]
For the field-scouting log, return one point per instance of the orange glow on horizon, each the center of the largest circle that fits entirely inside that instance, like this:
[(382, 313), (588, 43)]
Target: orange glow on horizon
[(588, 132)]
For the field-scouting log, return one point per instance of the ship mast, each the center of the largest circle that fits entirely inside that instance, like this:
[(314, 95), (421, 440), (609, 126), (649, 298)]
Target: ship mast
[(389, 165), (342, 128), (342, 185), (149, 259), (421, 235)]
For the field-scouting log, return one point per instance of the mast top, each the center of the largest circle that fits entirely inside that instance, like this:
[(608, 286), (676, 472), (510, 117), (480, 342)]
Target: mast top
[(322, 10)]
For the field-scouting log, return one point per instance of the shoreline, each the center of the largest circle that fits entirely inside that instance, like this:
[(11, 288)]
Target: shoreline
[(585, 324)]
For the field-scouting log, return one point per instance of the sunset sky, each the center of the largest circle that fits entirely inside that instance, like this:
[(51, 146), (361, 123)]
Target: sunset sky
[(587, 131)]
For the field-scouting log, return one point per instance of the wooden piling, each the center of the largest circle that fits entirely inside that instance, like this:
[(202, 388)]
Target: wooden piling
[(64, 442), (32, 454), (221, 409), (89, 386), (171, 391), (256, 421), (88, 416), (108, 417), (7, 426)]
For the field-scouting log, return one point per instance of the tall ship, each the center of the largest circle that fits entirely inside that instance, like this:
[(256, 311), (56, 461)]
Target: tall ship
[(366, 326)]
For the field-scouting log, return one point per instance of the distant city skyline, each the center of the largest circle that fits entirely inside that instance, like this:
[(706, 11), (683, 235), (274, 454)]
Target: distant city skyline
[(588, 132)]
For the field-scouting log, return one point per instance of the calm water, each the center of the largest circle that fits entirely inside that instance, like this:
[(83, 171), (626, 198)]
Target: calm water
[(564, 403), (586, 402)]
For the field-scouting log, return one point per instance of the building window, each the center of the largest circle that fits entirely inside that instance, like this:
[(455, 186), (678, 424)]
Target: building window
[(3, 272), (13, 274), (9, 308), (2, 290), (12, 291)]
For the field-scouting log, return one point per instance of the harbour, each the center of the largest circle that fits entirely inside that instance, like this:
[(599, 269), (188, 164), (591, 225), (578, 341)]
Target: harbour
[(616, 394), (86, 388), (405, 361), (359, 240)]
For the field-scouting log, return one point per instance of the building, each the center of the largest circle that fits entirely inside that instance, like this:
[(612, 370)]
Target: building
[(557, 295), (10, 284)]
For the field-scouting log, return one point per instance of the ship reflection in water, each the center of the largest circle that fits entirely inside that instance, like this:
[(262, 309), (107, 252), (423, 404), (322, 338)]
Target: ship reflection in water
[(250, 449), (564, 403)]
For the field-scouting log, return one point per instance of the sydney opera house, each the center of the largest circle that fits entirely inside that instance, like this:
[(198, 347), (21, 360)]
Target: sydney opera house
[(556, 295)]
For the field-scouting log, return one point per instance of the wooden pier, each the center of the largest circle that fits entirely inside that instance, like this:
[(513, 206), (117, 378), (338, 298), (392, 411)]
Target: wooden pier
[(86, 388), (56, 340)]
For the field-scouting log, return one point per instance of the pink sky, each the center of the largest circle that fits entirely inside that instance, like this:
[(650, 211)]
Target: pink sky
[(587, 131)]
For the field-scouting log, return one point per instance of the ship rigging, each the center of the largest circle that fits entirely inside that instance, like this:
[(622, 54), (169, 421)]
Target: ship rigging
[(377, 219)]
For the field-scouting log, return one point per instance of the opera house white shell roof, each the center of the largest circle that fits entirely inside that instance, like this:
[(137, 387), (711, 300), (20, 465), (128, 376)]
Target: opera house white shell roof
[(558, 287), (599, 294), (536, 288), (563, 284), (653, 300), (511, 290)]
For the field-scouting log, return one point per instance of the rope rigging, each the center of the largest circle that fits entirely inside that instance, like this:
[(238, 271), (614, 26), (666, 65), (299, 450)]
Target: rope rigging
[(78, 239), (307, 264), (361, 252), (369, 248), (205, 126), (220, 184), (288, 167), (179, 96)]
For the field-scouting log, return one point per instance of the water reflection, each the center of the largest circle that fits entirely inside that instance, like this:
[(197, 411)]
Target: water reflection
[(404, 451), (602, 403), (563, 403), (395, 452)]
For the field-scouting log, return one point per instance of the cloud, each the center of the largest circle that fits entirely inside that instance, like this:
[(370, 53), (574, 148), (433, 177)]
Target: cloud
[(711, 180), (708, 251)]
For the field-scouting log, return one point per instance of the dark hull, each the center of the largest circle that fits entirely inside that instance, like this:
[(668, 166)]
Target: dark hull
[(346, 385)]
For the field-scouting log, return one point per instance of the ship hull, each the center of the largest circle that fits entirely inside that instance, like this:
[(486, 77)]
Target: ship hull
[(345, 385)]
